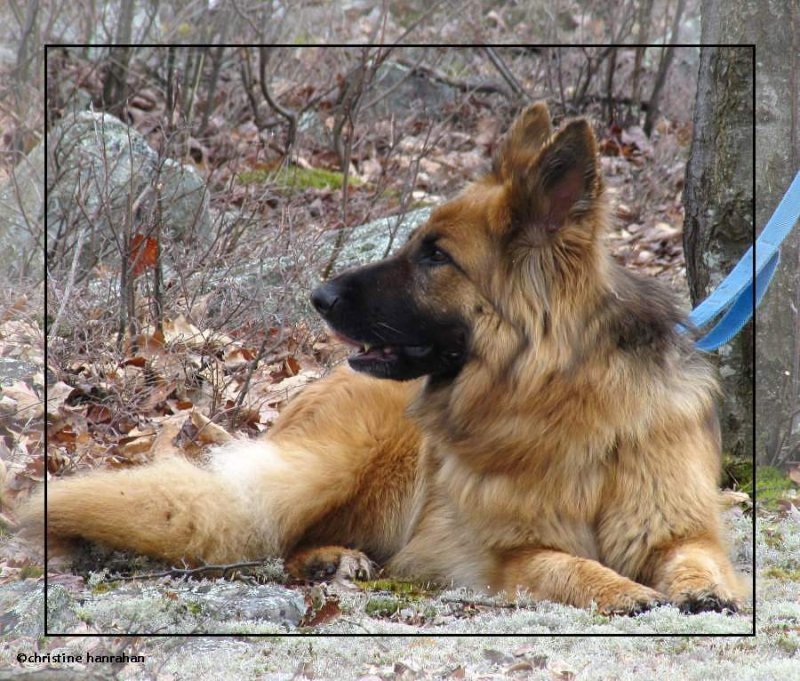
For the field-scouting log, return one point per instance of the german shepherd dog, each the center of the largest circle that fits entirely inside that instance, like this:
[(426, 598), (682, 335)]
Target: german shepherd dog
[(523, 416)]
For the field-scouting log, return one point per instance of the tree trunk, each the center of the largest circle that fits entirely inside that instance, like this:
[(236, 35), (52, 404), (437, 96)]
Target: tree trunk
[(718, 229), (774, 26)]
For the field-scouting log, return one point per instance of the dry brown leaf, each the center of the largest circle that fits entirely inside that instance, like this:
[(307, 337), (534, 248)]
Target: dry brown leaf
[(57, 394), (135, 446), (144, 254), (29, 404), (559, 670), (8, 407), (56, 461), (235, 358), (98, 413), (289, 387), (523, 666), (329, 610), (179, 405), (164, 442), (65, 435), (208, 431), (17, 306), (292, 366), (181, 331), (156, 395)]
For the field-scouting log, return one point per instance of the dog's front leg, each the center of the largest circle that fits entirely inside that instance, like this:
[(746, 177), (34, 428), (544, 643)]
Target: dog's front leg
[(557, 576), (695, 574)]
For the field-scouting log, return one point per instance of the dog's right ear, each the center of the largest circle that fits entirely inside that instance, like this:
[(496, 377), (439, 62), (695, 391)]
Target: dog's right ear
[(528, 134), (560, 185)]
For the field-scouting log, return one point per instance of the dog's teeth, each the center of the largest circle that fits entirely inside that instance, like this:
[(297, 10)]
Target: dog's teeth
[(367, 347)]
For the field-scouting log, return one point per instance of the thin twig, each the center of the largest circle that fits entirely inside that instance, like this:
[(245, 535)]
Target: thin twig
[(506, 74), (189, 572), (486, 87), (70, 283), (663, 68)]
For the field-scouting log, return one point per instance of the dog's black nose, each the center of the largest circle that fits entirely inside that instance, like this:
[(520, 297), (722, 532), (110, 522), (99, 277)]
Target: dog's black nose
[(324, 297)]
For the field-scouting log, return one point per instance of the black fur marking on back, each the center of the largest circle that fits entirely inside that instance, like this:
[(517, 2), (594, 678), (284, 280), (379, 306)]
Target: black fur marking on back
[(643, 315)]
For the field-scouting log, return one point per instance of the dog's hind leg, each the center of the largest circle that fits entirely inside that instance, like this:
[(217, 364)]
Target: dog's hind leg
[(170, 509), (253, 500), (337, 469)]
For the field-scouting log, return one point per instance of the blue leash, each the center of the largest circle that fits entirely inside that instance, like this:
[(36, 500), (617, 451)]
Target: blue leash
[(732, 301)]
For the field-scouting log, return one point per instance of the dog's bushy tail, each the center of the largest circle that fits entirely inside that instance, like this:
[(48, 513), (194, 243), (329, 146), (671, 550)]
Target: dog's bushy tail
[(170, 509)]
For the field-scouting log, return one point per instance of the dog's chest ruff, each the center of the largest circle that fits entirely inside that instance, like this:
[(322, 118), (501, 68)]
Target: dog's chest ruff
[(522, 502)]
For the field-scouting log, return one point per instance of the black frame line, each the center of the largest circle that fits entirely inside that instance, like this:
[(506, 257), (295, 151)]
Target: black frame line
[(301, 635)]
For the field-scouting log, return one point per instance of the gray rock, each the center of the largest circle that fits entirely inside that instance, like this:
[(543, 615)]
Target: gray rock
[(396, 90), (264, 603), (173, 606), (407, 92), (22, 217), (101, 173), (374, 240), (21, 609), (281, 284)]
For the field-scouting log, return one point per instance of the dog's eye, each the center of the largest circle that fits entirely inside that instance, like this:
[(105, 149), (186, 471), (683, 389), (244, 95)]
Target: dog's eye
[(435, 256)]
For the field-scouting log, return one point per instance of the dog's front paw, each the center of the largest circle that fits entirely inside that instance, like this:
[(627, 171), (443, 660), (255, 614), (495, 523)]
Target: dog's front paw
[(632, 600), (330, 564), (706, 600)]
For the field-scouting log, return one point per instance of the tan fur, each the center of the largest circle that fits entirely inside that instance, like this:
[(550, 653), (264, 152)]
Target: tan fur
[(573, 456)]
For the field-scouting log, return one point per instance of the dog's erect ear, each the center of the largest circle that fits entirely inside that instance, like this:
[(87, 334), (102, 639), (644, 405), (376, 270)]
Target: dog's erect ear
[(561, 184), (528, 133)]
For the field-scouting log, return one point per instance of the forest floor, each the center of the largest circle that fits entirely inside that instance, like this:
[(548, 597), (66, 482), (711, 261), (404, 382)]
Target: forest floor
[(469, 638)]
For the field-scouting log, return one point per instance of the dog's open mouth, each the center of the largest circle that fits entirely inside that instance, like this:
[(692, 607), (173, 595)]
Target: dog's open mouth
[(403, 361), (375, 352), (390, 360), (390, 352)]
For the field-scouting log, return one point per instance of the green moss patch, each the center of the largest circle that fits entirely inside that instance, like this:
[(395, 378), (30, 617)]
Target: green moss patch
[(383, 606), (771, 486), (390, 596), (737, 474), (400, 587), (785, 575), (31, 572), (295, 177)]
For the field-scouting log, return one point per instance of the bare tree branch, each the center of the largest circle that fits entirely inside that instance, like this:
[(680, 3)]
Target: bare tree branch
[(287, 114)]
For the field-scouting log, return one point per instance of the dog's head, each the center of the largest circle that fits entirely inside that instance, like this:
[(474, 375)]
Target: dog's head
[(484, 262)]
